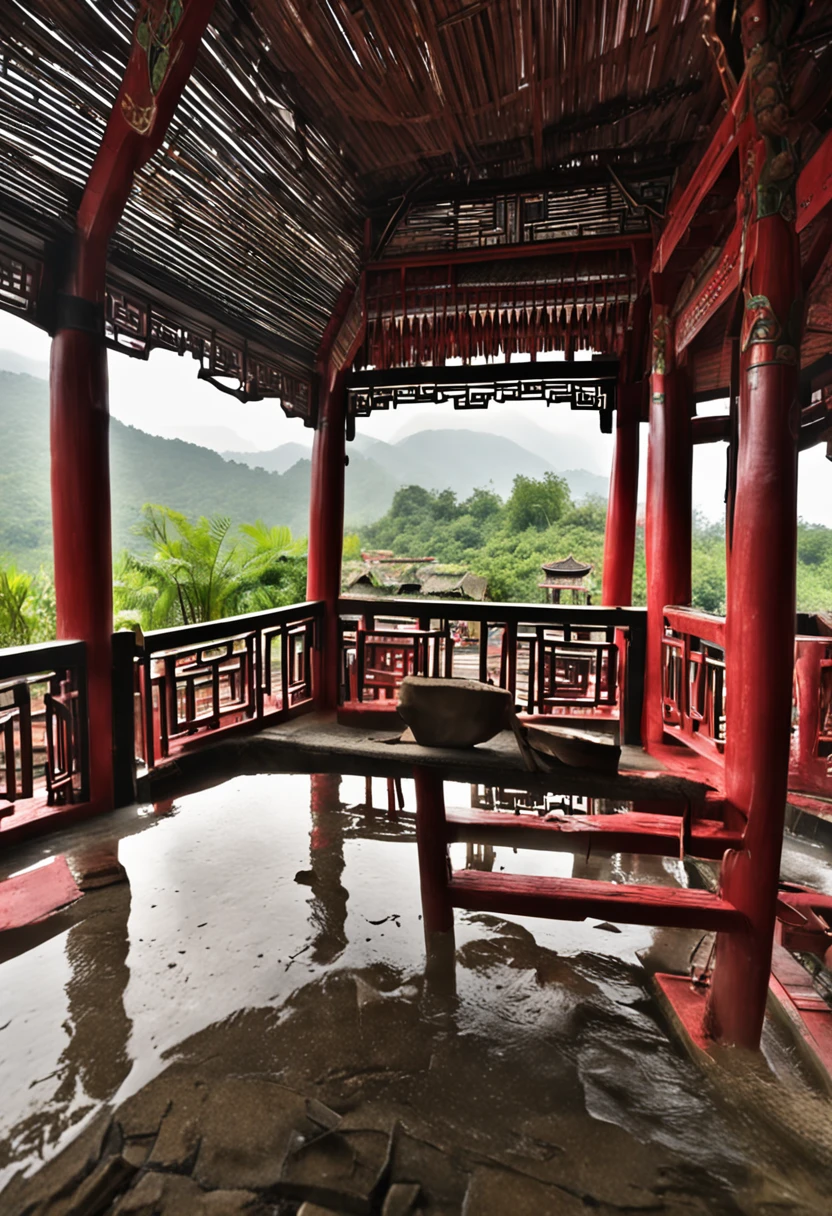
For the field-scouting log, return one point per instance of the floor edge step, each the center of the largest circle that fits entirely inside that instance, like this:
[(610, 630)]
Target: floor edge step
[(626, 832), (580, 898)]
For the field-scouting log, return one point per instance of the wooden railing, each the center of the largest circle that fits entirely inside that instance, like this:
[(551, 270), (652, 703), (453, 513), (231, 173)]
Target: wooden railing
[(693, 679), (810, 768), (555, 659), (197, 679), (43, 724), (694, 695)]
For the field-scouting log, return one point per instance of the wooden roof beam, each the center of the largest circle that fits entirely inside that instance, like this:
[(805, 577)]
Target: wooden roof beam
[(634, 242), (814, 184), (714, 291), (683, 208), (651, 163)]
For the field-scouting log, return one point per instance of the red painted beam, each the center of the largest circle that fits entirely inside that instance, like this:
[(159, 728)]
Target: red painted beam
[(31, 896), (136, 127), (807, 1012), (814, 433), (579, 898), (499, 253), (722, 281), (700, 625), (814, 184), (682, 210), (711, 429), (631, 832)]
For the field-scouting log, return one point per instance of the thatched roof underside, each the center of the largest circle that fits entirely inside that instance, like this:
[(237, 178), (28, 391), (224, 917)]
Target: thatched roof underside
[(302, 120)]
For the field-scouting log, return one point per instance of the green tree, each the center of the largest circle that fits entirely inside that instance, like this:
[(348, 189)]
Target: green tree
[(537, 503), (411, 503), (482, 505)]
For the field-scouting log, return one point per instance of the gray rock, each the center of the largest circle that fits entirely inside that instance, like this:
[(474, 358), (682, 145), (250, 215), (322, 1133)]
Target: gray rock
[(137, 1151), (495, 1192), (453, 713), (245, 1131), (175, 1195), (315, 1209), (401, 1199), (337, 1171), (444, 1179), (59, 1176), (98, 1190), (323, 1115), (178, 1138), (142, 1114)]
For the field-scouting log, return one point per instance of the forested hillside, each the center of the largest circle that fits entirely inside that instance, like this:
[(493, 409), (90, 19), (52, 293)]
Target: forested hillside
[(507, 543), (450, 459), (145, 468)]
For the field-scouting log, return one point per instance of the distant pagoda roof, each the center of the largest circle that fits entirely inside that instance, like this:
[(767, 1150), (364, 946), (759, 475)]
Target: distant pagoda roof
[(568, 566)]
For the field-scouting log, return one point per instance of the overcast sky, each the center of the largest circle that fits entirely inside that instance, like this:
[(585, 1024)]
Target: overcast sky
[(164, 397)]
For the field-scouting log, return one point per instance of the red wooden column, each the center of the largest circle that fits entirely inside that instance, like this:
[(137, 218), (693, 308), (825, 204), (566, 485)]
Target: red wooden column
[(620, 531), (668, 517), (326, 529), (79, 425), (432, 846), (79, 413), (760, 624)]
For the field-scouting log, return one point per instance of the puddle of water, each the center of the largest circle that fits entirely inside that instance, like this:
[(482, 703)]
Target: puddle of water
[(806, 862), (272, 925)]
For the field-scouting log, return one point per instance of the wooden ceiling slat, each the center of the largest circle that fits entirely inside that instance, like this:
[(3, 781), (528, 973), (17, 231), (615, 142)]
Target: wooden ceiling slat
[(299, 117)]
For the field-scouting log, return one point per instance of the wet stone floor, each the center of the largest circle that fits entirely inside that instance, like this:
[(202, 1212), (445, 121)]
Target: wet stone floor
[(237, 1017)]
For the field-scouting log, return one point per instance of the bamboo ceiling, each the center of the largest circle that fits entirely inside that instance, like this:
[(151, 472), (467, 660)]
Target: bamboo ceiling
[(301, 119)]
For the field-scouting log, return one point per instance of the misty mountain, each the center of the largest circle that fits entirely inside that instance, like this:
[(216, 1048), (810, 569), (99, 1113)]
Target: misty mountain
[(561, 451), (449, 458), (11, 361), (145, 468), (205, 436), (276, 460)]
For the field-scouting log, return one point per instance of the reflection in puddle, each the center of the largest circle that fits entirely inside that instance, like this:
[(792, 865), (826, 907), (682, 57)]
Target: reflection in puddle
[(271, 927)]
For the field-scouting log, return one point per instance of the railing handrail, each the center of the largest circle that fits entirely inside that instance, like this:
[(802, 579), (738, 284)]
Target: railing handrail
[(16, 661), (593, 616), (706, 626), (228, 626)]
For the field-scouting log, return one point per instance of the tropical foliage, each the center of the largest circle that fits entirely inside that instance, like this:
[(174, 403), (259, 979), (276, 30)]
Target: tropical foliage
[(187, 572), (27, 607)]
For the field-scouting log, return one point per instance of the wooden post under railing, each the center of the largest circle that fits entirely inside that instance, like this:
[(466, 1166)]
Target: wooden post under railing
[(808, 770), (124, 718)]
